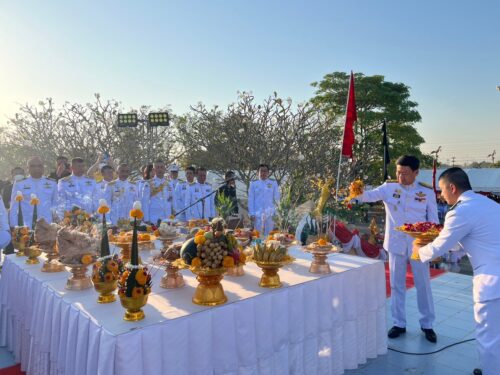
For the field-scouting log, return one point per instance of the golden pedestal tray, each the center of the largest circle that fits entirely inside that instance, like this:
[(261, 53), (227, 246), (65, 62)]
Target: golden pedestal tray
[(79, 279), (270, 277), (172, 278), (51, 264), (105, 290), (319, 264), (236, 271), (209, 291), (126, 248), (33, 252), (20, 246), (133, 307), (421, 238)]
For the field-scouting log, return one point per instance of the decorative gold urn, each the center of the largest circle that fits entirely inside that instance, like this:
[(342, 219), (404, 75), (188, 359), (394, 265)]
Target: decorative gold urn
[(20, 246), (133, 307), (172, 278), (33, 252), (236, 271), (319, 264), (209, 291), (51, 264), (105, 290), (79, 280), (270, 277)]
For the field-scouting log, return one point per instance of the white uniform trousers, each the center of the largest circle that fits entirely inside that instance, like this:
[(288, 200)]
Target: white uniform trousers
[(487, 316), (421, 274), (269, 225)]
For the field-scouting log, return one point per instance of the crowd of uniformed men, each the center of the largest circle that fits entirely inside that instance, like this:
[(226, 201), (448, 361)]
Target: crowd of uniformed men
[(72, 185)]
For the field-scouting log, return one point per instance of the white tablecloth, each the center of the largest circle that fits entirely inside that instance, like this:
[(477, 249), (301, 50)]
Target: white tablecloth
[(313, 325)]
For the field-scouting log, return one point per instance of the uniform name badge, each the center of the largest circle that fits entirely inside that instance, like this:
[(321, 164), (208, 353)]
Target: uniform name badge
[(269, 185)]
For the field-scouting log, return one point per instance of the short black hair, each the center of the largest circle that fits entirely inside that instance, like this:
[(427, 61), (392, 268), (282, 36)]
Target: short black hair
[(106, 167), (16, 169), (408, 161), (457, 177), (60, 157), (77, 160), (263, 166), (201, 169), (191, 168), (228, 174)]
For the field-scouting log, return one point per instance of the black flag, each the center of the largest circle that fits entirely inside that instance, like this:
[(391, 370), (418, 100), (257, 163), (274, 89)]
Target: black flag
[(385, 144)]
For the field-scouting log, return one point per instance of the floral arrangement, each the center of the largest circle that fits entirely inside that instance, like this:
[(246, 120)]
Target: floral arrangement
[(135, 280), (77, 217), (421, 227), (21, 237), (107, 269)]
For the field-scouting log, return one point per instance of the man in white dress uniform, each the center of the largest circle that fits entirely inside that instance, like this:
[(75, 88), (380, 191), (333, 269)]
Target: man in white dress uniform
[(4, 226), (121, 195), (473, 222), (406, 201), (76, 189), (205, 209), (181, 193), (45, 190), (263, 196), (157, 195)]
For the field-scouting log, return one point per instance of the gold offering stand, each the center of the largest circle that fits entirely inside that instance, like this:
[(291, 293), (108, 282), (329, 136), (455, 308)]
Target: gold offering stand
[(236, 271), (79, 280), (105, 290), (209, 291), (270, 277), (319, 264), (133, 307), (422, 239), (33, 252), (172, 278), (125, 248), (51, 264)]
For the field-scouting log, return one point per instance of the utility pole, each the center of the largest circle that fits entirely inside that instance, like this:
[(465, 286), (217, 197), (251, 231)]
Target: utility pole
[(492, 156), (453, 161)]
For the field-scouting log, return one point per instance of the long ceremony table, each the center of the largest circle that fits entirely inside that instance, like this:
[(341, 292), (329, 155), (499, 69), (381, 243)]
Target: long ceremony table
[(314, 324)]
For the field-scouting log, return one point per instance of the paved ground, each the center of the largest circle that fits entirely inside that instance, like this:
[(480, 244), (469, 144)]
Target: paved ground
[(454, 322)]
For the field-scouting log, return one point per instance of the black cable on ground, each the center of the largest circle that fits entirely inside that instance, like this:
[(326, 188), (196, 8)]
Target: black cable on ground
[(434, 352)]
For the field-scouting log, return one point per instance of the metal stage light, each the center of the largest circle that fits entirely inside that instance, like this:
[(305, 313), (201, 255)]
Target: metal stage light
[(159, 119), (127, 120)]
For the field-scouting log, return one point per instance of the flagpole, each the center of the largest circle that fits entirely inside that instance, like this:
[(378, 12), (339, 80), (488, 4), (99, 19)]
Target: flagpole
[(340, 155)]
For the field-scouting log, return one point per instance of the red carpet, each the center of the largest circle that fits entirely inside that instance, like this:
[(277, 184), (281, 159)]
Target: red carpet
[(13, 370), (409, 279)]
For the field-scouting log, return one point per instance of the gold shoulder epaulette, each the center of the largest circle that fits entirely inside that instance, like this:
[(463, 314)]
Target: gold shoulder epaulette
[(112, 182), (425, 185), (391, 181), (67, 178)]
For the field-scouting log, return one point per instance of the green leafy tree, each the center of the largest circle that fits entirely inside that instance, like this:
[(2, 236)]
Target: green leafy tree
[(376, 100)]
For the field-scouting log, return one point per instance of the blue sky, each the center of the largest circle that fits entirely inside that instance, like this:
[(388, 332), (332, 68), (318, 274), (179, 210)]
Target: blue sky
[(178, 53)]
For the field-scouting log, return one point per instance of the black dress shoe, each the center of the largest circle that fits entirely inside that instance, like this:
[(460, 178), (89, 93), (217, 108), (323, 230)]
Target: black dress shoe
[(395, 332), (477, 371), (430, 335)]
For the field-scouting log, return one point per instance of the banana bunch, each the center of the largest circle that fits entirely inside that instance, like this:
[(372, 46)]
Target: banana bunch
[(269, 253)]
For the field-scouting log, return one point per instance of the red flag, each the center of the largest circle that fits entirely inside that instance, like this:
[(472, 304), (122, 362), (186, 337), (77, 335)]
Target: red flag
[(350, 119)]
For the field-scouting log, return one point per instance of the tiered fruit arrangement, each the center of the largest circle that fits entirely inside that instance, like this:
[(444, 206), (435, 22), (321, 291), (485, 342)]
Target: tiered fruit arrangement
[(283, 237), (212, 249), (269, 253)]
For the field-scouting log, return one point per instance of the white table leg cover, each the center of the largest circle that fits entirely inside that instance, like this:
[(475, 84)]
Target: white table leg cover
[(318, 327)]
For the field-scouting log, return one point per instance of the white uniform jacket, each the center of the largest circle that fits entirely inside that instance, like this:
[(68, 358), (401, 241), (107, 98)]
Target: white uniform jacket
[(76, 191), (195, 192), (4, 226), (120, 196), (263, 196), (403, 204), (46, 191), (181, 197), (156, 198), (474, 223)]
